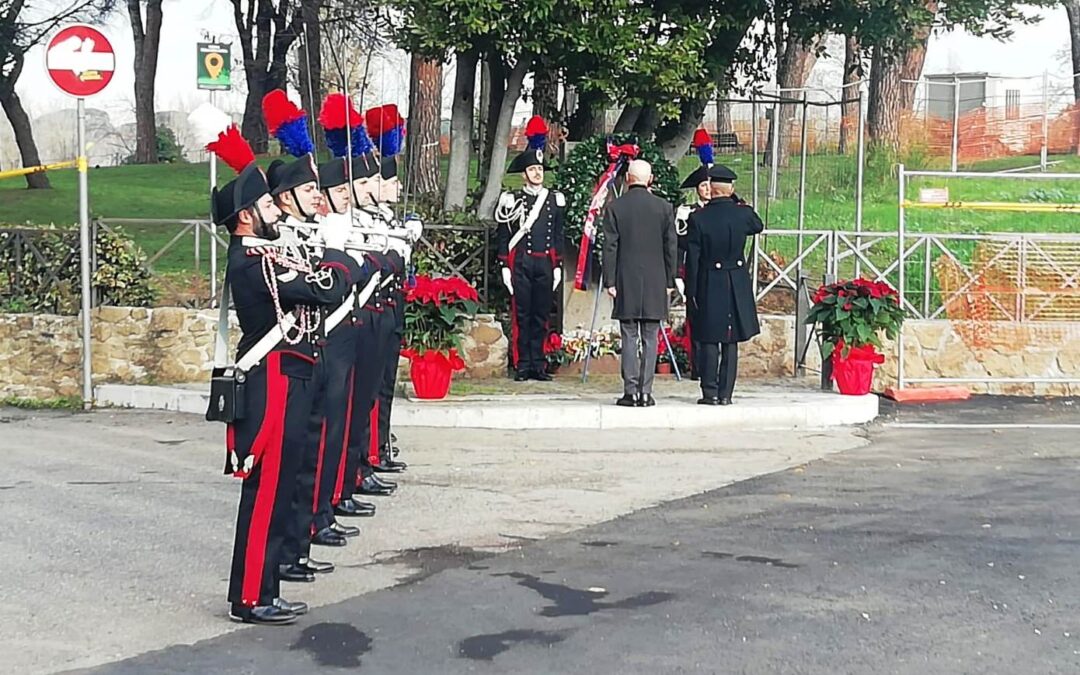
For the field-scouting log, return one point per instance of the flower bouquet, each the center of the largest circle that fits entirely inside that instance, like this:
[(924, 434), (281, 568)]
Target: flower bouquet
[(853, 316), (435, 315)]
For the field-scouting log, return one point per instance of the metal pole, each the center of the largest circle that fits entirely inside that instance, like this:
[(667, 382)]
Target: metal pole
[(900, 283), (1045, 121), (804, 137), (671, 353), (84, 255), (754, 143), (955, 122), (213, 238), (592, 328), (860, 179), (774, 175)]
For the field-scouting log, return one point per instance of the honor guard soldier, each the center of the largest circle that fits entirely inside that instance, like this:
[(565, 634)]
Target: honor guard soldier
[(274, 294), (698, 181), (295, 189), (386, 128), (529, 238), (718, 284)]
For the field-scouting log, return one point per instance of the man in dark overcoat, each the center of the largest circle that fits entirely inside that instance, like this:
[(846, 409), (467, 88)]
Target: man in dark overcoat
[(718, 284), (640, 263)]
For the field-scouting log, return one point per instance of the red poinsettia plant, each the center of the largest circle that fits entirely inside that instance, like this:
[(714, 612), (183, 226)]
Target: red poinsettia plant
[(435, 315), (855, 314), (680, 346)]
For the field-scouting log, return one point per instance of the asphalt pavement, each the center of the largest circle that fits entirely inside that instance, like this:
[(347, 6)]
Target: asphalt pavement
[(929, 550)]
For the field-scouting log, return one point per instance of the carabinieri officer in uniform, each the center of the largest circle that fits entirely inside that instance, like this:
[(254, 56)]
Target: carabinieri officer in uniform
[(529, 239), (718, 284)]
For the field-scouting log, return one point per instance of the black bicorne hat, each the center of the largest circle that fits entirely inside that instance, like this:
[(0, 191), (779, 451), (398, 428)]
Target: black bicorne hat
[(697, 177), (526, 159), (283, 176), (388, 167), (333, 173), (238, 194), (721, 174), (364, 166)]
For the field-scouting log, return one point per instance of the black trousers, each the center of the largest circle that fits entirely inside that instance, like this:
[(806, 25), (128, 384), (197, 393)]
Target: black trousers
[(530, 308), (719, 367), (337, 369), (275, 429), (367, 378), (390, 371), (695, 346)]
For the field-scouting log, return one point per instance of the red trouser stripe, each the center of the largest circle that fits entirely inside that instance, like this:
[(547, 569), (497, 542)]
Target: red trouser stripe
[(340, 483), (373, 437), (267, 447), (514, 329), (318, 472)]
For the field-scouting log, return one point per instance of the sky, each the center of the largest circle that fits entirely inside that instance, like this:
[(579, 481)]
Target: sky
[(1032, 50)]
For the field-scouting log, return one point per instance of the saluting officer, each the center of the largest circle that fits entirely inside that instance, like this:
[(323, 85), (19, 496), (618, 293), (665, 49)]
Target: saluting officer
[(718, 284), (529, 238), (271, 289)]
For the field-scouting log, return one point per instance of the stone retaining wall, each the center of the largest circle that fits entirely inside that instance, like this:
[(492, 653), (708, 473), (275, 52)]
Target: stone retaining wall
[(39, 353)]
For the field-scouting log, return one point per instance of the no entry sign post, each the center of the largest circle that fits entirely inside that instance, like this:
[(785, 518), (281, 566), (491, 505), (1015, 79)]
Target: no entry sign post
[(80, 61)]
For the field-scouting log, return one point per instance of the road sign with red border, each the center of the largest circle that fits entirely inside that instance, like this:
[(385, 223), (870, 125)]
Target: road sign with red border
[(80, 60)]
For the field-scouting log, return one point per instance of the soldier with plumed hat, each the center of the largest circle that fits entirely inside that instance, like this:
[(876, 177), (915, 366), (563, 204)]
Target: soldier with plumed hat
[(529, 239), (718, 284), (276, 295), (698, 181)]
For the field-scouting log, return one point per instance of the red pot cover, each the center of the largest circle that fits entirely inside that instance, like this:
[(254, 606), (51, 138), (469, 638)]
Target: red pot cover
[(432, 371), (855, 372)]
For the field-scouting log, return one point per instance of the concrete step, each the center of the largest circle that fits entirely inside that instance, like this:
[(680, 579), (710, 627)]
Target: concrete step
[(765, 408)]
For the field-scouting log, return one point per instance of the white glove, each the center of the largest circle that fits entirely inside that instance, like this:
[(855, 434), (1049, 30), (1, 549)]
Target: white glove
[(335, 231), (506, 280), (680, 286), (415, 227), (557, 273), (682, 213)]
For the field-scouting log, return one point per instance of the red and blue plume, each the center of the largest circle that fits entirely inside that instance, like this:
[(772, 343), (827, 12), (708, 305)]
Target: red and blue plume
[(287, 123), (386, 127), (536, 131), (703, 145), (341, 121)]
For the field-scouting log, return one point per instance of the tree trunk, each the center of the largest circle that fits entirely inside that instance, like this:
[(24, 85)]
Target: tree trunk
[(889, 95), (20, 125), (1072, 8), (461, 126), (724, 123), (546, 104), (425, 107), (849, 122), (647, 122), (490, 105), (266, 35), (627, 119), (147, 41), (792, 72), (588, 119), (310, 61), (675, 136), (501, 137)]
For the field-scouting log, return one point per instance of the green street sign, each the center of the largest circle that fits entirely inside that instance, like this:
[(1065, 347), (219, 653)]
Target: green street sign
[(214, 66)]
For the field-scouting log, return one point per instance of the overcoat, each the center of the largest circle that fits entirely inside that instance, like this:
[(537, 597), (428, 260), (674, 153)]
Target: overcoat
[(718, 283), (640, 254)]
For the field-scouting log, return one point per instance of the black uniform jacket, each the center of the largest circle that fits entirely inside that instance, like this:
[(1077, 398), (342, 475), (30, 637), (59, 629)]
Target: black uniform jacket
[(328, 285), (545, 237), (718, 283)]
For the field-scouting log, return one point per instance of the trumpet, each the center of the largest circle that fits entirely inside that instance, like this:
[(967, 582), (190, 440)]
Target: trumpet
[(367, 239)]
